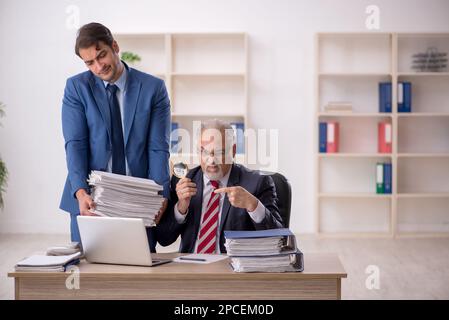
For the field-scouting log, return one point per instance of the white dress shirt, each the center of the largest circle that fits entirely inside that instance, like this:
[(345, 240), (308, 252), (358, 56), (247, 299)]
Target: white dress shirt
[(257, 215), (121, 85)]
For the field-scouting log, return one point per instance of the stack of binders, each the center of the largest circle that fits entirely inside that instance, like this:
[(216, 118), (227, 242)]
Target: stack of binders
[(383, 178), (272, 250), (43, 263), (117, 195), (329, 137), (404, 95)]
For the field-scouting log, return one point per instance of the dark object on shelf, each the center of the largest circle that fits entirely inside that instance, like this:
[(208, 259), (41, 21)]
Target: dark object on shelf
[(430, 61)]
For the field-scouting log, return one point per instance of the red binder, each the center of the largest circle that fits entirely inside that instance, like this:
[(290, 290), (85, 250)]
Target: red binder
[(332, 137), (385, 137)]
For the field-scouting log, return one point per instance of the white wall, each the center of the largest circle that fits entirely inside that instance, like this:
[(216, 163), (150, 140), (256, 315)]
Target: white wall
[(36, 56)]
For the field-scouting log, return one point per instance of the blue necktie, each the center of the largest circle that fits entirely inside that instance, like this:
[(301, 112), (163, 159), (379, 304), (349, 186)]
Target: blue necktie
[(118, 149)]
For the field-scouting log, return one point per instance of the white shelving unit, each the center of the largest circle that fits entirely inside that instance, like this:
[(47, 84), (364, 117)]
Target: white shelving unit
[(206, 75), (349, 68)]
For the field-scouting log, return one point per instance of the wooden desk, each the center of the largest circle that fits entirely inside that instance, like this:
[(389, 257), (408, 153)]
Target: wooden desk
[(321, 279)]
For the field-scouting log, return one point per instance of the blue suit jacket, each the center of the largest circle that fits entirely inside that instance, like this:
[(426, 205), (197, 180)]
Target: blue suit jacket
[(232, 218), (86, 124)]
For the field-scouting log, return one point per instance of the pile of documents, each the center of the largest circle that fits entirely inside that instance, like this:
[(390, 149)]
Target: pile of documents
[(63, 250), (272, 250), (338, 106), (43, 263), (124, 196)]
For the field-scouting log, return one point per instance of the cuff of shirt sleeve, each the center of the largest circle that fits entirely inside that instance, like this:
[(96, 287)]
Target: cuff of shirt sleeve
[(258, 214), (180, 218)]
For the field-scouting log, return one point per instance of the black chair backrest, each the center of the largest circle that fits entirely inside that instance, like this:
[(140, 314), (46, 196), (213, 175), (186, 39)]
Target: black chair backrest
[(284, 194)]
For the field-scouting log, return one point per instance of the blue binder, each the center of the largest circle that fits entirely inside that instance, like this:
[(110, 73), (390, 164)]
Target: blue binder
[(323, 137), (269, 233), (385, 97), (404, 97), (239, 128), (174, 138), (387, 178)]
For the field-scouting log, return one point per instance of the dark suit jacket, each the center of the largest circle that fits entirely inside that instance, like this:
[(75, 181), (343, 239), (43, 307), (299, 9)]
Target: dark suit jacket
[(232, 218)]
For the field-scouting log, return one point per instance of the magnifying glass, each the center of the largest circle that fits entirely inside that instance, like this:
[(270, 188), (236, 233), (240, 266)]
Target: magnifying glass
[(180, 170)]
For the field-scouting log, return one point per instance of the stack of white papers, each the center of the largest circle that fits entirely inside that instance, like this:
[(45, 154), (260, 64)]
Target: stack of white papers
[(42, 263), (254, 246), (280, 263), (117, 195), (272, 250)]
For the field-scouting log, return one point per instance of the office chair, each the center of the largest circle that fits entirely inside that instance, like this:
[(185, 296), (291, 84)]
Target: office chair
[(284, 194)]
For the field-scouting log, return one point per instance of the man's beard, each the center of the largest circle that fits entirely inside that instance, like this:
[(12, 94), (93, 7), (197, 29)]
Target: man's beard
[(214, 175)]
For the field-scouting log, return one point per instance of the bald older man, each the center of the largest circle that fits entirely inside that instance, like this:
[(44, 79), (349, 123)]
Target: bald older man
[(216, 196)]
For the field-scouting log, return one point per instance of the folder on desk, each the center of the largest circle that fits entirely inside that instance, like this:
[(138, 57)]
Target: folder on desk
[(272, 250)]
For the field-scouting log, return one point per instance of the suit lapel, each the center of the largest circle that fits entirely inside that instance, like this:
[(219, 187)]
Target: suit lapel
[(234, 178), (132, 92), (101, 99), (197, 202)]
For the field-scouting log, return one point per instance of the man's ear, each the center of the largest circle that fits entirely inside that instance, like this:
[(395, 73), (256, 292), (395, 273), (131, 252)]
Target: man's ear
[(115, 46)]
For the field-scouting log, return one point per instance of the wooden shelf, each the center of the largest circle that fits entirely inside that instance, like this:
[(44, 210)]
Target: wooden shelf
[(355, 114), (202, 74), (423, 74), (355, 195), (230, 115), (355, 155), (349, 67), (354, 74), (355, 235), (423, 155), (422, 114), (423, 195)]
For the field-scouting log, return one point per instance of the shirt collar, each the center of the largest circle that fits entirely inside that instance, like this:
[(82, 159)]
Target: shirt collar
[(223, 181), (121, 82)]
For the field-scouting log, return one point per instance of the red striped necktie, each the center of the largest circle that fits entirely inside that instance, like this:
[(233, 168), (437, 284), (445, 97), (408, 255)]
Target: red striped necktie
[(209, 225)]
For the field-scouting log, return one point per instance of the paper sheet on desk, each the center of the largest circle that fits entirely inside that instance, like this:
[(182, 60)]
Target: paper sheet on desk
[(200, 258)]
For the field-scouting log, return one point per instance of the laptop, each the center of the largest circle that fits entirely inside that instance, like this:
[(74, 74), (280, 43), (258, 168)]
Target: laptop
[(116, 241)]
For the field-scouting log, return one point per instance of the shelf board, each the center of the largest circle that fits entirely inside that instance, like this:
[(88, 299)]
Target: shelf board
[(422, 114), (424, 195), (367, 234), (208, 34), (355, 114), (423, 155), (233, 115), (140, 35), (426, 234), (350, 195), (355, 155), (211, 74), (423, 74), (354, 74)]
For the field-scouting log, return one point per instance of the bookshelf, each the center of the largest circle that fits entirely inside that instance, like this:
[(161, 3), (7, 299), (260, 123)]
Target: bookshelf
[(349, 67), (206, 75)]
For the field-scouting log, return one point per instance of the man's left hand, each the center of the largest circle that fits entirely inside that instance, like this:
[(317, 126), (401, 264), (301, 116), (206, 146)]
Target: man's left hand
[(239, 197)]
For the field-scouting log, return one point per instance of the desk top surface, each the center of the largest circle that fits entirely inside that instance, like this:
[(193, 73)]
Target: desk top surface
[(316, 265)]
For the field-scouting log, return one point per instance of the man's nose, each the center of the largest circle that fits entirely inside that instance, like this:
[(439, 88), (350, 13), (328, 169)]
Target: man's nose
[(98, 66)]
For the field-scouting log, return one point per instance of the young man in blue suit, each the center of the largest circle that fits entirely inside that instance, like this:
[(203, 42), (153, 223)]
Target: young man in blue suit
[(216, 196), (115, 119)]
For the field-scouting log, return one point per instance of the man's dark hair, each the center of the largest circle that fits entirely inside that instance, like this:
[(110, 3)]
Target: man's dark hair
[(91, 34)]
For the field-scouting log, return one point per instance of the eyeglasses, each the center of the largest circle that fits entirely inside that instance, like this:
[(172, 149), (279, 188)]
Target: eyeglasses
[(214, 153)]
